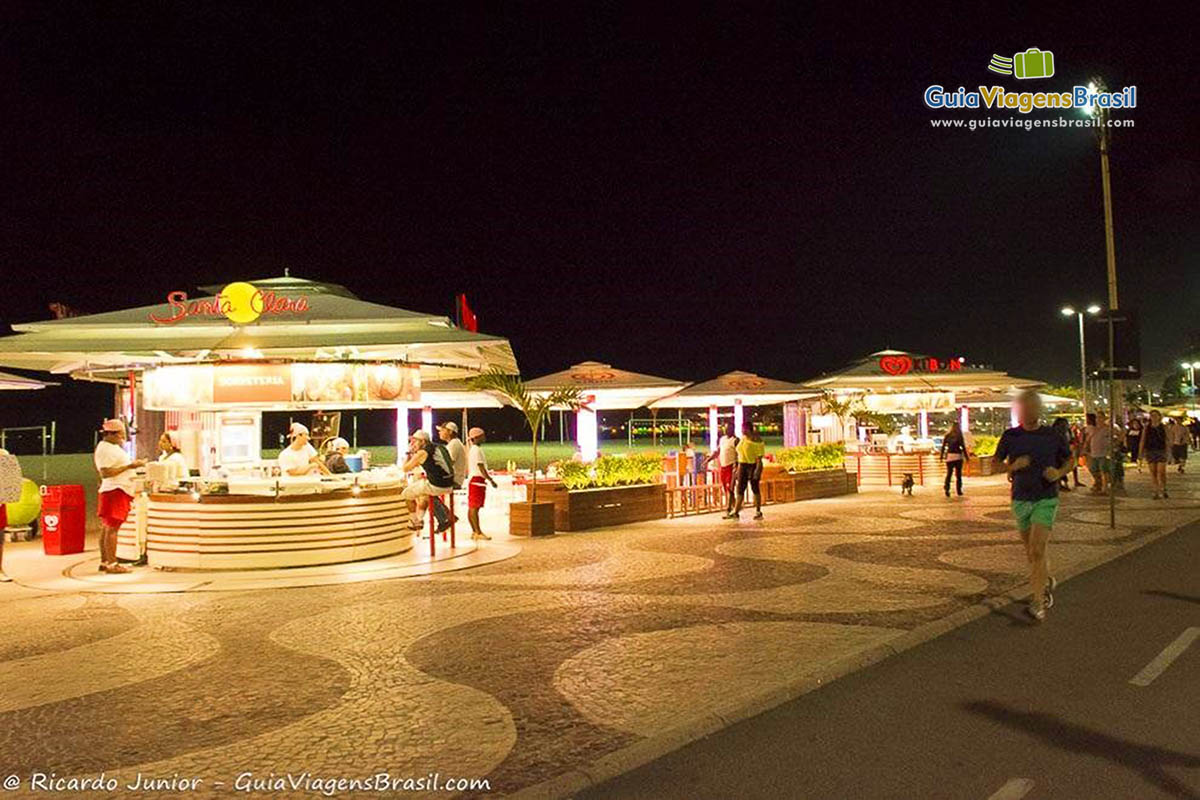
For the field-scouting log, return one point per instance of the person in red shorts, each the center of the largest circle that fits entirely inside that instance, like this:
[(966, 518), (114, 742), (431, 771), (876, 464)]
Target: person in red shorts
[(478, 478), (726, 456), (116, 470)]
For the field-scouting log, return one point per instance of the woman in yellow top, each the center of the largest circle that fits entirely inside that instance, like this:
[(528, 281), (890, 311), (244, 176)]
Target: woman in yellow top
[(750, 451)]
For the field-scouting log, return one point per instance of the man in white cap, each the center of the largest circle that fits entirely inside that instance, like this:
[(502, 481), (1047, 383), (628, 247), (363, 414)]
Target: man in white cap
[(438, 479), (116, 470), (335, 459), (448, 433), (477, 479), (299, 457)]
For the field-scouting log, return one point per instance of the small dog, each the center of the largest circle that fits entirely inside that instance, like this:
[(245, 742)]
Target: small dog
[(906, 485)]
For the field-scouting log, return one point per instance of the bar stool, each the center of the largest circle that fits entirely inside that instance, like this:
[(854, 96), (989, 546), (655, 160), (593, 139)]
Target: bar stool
[(433, 523)]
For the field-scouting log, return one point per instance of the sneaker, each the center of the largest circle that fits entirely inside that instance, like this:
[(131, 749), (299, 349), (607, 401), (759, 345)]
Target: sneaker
[(1038, 614), (1048, 597), (730, 515), (758, 515), (4, 578)]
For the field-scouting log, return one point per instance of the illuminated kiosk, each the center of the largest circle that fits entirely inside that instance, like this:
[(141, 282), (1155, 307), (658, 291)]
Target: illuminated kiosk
[(902, 383), (738, 390), (604, 388), (209, 367)]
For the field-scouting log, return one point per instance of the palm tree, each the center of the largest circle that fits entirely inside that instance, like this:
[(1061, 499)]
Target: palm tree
[(534, 405)]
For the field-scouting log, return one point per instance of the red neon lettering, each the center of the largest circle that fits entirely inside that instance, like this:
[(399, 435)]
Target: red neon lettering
[(177, 301), (220, 306)]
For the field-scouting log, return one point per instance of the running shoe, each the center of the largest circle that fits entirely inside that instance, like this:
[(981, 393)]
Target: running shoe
[(1038, 614), (730, 515)]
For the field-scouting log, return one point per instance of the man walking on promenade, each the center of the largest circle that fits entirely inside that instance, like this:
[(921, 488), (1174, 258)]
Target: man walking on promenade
[(726, 455), (750, 451), (1036, 457)]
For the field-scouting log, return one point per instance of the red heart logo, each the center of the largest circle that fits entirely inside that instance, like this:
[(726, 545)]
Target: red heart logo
[(895, 365)]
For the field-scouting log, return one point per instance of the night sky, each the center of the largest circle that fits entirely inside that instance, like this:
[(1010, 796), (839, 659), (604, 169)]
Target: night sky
[(682, 192)]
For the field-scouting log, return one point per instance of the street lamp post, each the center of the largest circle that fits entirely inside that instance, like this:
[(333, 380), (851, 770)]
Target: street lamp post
[(1067, 312), (1100, 113)]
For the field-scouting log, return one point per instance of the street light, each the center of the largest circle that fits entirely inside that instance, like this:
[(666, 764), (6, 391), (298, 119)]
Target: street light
[(1191, 368), (1068, 311)]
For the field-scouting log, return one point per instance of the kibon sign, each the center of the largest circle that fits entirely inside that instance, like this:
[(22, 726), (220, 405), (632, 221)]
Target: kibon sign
[(240, 302), (901, 364)]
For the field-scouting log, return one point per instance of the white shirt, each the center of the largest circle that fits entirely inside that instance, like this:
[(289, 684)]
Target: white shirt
[(727, 448), (178, 464), (458, 458), (476, 461), (290, 458), (107, 456), (1177, 434)]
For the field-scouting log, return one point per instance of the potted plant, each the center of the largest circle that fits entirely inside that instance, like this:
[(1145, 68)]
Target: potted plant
[(530, 518)]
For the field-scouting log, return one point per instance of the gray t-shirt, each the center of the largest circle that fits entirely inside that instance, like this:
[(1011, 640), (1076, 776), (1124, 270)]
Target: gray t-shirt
[(1098, 437)]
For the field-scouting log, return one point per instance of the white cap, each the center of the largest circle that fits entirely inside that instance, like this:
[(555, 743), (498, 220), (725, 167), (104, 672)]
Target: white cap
[(296, 430), (420, 434), (450, 426), (338, 443)]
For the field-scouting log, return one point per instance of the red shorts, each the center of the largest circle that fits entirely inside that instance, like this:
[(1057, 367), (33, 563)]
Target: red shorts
[(114, 507), (476, 492), (727, 477)]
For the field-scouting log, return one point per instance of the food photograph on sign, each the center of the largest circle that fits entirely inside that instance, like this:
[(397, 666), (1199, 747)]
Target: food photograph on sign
[(185, 386), (353, 383)]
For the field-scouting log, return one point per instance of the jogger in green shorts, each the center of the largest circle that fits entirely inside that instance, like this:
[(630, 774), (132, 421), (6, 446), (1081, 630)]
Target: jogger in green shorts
[(1036, 457)]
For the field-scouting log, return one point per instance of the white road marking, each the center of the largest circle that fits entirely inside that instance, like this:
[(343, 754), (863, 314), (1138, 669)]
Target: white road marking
[(1015, 789), (1163, 660)]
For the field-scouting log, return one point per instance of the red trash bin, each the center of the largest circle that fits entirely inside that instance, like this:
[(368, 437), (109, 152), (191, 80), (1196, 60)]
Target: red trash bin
[(64, 513)]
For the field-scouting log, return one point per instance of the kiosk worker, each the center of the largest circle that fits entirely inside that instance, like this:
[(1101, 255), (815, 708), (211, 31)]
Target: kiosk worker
[(299, 457), (171, 454), (116, 490), (335, 460)]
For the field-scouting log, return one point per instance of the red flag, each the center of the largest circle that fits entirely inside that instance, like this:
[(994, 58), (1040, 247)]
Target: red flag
[(62, 311), (466, 317)]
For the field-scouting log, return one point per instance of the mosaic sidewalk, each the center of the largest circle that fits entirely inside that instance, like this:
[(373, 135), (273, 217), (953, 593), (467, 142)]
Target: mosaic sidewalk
[(518, 671)]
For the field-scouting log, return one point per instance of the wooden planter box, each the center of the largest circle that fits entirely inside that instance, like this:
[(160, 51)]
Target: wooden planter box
[(531, 519), (823, 483), (978, 466), (598, 508)]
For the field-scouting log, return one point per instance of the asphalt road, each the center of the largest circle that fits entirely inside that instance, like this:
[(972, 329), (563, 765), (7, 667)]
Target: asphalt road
[(996, 710)]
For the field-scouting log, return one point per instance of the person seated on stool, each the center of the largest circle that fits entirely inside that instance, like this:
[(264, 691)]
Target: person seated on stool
[(300, 457), (438, 479), (335, 460)]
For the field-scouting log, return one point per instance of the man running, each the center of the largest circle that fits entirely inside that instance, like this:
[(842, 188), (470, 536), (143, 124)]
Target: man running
[(1036, 457)]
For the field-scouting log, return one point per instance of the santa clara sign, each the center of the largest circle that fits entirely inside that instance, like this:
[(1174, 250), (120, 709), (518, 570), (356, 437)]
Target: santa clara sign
[(239, 302)]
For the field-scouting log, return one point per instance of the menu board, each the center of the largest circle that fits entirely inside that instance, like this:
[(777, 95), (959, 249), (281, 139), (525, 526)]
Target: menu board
[(309, 385)]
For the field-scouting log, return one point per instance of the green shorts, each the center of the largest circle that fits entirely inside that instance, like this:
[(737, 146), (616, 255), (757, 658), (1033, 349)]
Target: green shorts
[(1029, 512)]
